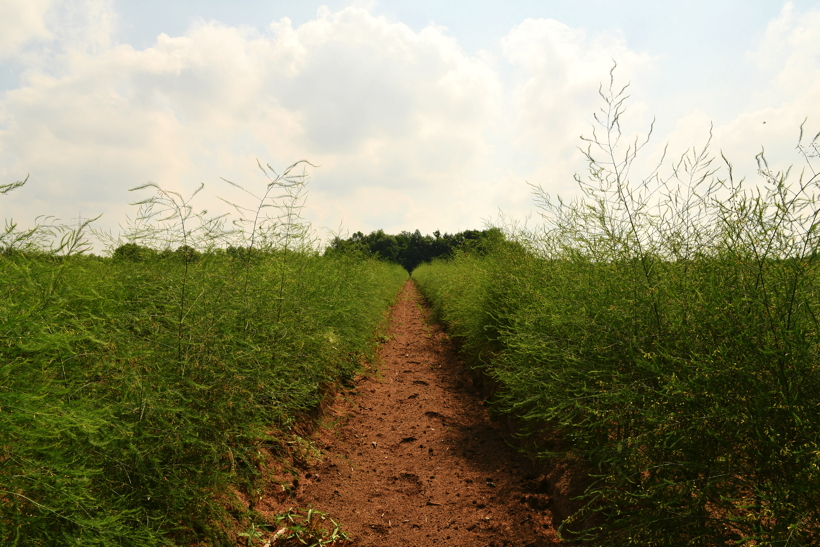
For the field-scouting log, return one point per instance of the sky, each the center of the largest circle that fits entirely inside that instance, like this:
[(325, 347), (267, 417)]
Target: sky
[(427, 115)]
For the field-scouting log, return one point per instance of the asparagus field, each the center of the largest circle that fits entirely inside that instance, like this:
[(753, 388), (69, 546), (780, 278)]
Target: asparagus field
[(138, 391), (662, 337)]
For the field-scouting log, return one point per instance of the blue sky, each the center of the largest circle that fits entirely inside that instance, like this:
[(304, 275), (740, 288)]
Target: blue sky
[(426, 115)]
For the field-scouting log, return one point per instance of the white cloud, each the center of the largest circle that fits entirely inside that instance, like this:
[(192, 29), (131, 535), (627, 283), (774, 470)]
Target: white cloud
[(22, 21), (555, 96), (787, 92), (373, 102), (82, 26), (790, 50), (409, 130)]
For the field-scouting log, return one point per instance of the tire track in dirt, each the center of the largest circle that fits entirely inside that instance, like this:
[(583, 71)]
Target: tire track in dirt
[(415, 460)]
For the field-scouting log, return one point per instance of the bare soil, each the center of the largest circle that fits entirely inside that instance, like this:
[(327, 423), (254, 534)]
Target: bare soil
[(412, 457)]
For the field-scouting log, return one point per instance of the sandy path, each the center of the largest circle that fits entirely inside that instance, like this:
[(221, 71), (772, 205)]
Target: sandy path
[(414, 459)]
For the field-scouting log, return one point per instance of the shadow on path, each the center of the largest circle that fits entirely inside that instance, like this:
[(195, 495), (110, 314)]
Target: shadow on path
[(414, 459)]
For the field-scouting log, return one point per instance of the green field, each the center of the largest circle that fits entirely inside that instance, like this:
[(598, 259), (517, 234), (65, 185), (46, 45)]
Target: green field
[(133, 395), (660, 338), (138, 391), (664, 338)]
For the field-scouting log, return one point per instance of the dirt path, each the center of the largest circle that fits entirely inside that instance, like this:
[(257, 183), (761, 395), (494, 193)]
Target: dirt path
[(415, 460)]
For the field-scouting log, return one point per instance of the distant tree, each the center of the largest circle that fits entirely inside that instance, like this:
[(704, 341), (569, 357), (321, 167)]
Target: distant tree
[(187, 253), (132, 252), (409, 249)]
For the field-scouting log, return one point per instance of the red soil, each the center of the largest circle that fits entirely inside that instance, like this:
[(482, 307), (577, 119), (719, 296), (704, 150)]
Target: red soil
[(414, 459)]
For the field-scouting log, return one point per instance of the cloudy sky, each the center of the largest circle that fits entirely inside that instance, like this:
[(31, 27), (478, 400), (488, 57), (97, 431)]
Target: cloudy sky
[(429, 115)]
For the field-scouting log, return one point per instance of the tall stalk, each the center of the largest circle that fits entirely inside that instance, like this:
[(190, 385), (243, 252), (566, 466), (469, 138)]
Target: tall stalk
[(174, 213), (284, 197)]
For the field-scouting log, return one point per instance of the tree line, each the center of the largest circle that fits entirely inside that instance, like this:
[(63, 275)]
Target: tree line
[(409, 249)]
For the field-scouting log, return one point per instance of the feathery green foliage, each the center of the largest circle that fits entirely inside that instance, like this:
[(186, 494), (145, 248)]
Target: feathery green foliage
[(668, 332), (136, 391)]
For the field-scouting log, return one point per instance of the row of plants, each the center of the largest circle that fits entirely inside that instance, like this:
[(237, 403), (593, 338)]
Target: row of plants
[(663, 336), (140, 392)]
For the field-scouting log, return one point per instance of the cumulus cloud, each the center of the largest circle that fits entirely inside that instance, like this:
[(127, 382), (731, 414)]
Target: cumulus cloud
[(376, 104), (790, 50), (20, 23), (556, 92), (408, 129), (786, 77)]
